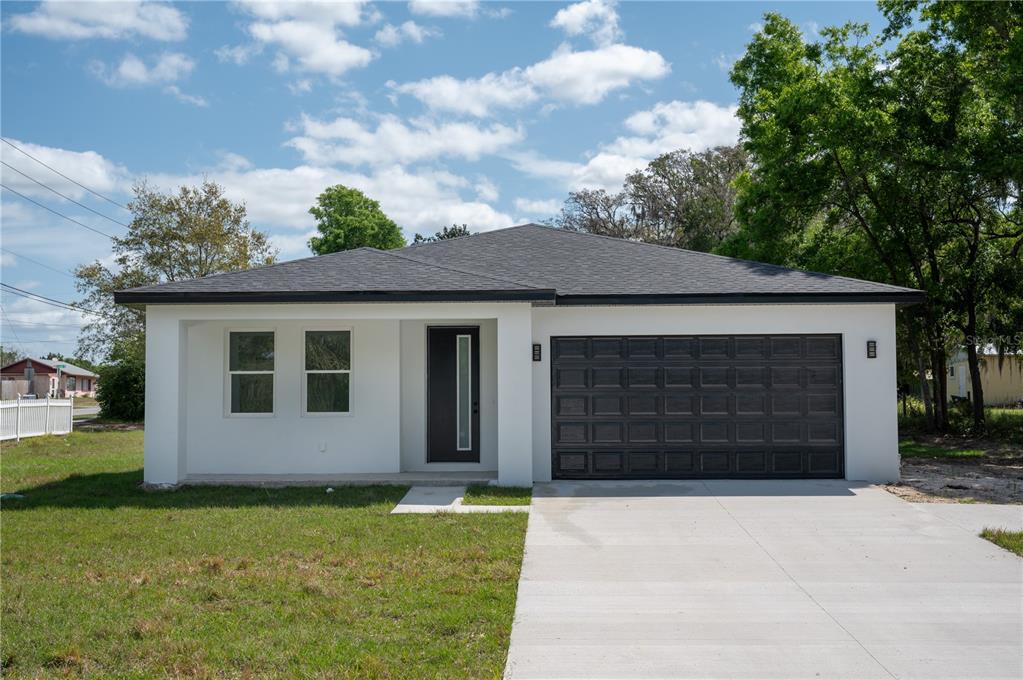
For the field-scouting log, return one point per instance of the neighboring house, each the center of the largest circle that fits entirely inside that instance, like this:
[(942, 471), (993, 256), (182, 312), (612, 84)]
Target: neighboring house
[(531, 353), (1001, 379), (45, 377)]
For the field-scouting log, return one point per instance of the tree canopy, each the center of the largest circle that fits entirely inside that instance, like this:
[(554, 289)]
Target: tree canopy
[(680, 199), (193, 233), (884, 157), (454, 231), (346, 219)]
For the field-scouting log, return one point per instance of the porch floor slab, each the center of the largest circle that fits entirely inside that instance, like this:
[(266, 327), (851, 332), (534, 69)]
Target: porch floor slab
[(433, 499), (355, 479)]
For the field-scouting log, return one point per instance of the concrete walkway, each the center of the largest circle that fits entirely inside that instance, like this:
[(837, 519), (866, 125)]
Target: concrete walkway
[(725, 579), (431, 499)]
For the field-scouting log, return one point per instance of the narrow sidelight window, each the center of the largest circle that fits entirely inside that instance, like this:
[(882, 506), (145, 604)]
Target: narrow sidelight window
[(328, 370), (251, 371), (463, 390)]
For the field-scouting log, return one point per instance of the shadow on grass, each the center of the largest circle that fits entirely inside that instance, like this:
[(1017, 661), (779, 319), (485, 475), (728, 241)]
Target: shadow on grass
[(121, 489)]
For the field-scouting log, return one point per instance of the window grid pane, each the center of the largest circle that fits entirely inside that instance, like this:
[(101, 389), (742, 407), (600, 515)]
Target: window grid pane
[(252, 393), (327, 350), (251, 351)]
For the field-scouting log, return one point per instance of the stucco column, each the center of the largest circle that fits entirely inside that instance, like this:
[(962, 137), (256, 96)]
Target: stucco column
[(514, 396), (166, 352)]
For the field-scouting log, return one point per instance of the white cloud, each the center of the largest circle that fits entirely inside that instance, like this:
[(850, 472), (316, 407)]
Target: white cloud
[(307, 34), (583, 77), (111, 20), (666, 127), (281, 197), (390, 35), (238, 54), (486, 190), (676, 124), (595, 18), (587, 77), (87, 167), (346, 13), (538, 207), (465, 9), (132, 71), (301, 86), (314, 46), (347, 141), (194, 100), (473, 96)]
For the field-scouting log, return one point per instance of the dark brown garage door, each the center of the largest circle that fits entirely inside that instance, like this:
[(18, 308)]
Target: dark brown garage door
[(740, 406)]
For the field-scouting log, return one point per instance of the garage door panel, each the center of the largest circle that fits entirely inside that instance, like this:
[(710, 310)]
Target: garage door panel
[(571, 405), (697, 406), (679, 432)]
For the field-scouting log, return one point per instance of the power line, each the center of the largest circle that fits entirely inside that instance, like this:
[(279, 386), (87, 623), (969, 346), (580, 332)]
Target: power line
[(19, 322), (44, 266), (96, 193), (66, 198), (59, 214), (21, 346), (50, 301)]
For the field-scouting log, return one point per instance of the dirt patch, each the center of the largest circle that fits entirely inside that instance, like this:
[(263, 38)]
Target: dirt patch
[(996, 477), (94, 425)]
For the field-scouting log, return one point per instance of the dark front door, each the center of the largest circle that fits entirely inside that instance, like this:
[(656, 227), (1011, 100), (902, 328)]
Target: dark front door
[(452, 394), (740, 406)]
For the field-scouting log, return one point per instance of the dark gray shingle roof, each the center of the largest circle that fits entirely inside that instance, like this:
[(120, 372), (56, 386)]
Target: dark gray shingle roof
[(526, 262)]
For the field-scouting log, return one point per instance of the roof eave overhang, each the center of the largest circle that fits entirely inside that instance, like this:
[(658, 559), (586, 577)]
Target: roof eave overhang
[(898, 298), (131, 297)]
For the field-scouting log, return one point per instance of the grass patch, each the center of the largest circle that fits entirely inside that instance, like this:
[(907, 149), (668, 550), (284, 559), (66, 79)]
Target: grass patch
[(83, 402), (100, 577), (484, 494), (912, 449), (1010, 540)]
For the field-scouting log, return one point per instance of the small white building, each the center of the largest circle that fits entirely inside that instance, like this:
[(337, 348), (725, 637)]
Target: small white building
[(523, 354)]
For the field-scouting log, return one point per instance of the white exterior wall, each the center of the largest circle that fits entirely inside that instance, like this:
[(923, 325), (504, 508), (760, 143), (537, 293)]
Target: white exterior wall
[(288, 442), (871, 424), (189, 432)]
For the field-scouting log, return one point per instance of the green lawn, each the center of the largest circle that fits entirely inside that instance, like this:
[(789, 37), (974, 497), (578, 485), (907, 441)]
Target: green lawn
[(912, 449), (483, 494), (99, 577), (1010, 540)]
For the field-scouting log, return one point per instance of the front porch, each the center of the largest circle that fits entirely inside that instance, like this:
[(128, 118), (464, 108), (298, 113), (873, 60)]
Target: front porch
[(202, 427)]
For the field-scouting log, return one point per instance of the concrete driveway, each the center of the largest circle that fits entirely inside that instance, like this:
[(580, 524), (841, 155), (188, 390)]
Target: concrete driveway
[(732, 579)]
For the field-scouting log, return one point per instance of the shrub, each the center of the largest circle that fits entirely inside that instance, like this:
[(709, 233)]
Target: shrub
[(121, 391)]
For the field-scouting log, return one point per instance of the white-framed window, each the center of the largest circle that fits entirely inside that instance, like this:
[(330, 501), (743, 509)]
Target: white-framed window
[(327, 372), (250, 372)]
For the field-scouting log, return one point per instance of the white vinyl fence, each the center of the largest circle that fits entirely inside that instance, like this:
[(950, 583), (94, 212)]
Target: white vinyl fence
[(34, 417)]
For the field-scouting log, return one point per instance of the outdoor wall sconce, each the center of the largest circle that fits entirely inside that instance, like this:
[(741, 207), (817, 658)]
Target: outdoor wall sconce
[(536, 352), (871, 349)]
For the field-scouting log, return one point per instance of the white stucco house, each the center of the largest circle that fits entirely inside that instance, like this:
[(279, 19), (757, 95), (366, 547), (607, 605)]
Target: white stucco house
[(520, 355)]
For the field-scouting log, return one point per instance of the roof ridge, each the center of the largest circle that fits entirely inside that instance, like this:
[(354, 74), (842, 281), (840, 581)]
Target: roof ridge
[(423, 244), (723, 257), (455, 269)]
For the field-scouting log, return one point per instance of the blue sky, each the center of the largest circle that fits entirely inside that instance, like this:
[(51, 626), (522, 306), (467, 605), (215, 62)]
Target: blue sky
[(446, 112)]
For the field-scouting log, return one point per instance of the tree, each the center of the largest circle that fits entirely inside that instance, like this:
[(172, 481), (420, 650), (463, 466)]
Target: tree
[(883, 151), (121, 389), (454, 231), (194, 233), (681, 199), (9, 356), (346, 219)]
